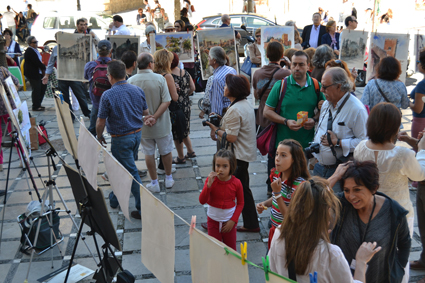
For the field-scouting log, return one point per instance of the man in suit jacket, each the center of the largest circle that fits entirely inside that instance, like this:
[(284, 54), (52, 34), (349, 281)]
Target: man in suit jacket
[(34, 71), (312, 34)]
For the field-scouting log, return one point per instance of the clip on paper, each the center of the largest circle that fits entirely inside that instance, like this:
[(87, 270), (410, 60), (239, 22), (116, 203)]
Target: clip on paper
[(192, 224), (266, 266), (313, 278), (61, 97), (244, 247)]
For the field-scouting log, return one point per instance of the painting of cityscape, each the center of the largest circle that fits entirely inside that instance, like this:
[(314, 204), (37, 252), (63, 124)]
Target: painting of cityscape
[(74, 51), (353, 47), (282, 34), (207, 39), (180, 43), (419, 45), (122, 43), (387, 44)]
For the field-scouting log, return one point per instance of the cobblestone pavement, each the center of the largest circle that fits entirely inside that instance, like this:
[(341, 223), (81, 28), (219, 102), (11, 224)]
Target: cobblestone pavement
[(182, 199)]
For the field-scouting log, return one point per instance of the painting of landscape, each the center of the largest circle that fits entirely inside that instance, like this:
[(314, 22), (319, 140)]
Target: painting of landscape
[(180, 43), (282, 34)]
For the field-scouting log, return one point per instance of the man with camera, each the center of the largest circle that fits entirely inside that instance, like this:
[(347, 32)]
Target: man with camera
[(341, 125)]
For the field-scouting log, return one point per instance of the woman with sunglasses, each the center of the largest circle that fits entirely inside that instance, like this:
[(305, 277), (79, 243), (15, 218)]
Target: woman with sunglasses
[(254, 51)]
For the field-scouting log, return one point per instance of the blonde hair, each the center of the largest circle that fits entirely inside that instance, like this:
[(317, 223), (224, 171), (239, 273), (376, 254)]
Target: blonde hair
[(312, 208), (329, 25), (163, 59)]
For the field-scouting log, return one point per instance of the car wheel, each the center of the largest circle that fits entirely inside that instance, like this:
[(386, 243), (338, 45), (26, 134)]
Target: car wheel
[(51, 44)]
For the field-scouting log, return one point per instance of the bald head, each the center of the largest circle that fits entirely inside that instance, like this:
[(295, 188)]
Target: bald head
[(225, 19), (144, 61)]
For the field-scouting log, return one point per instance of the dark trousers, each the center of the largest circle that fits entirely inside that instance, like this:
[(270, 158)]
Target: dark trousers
[(38, 90), (249, 213), (93, 119), (270, 166), (420, 209), (78, 89)]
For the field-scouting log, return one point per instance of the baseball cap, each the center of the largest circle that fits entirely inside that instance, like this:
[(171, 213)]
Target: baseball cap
[(149, 29), (104, 45)]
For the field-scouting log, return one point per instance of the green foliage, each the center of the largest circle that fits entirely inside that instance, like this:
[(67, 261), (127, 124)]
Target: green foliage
[(20, 116)]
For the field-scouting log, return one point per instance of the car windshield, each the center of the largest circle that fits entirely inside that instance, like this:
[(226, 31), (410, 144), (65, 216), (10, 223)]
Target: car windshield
[(256, 22)]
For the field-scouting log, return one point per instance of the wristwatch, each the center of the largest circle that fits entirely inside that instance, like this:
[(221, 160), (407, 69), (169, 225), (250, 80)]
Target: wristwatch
[(338, 143), (216, 132), (285, 122)]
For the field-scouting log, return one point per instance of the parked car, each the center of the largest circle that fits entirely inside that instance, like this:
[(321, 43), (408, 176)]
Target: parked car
[(47, 24), (251, 22)]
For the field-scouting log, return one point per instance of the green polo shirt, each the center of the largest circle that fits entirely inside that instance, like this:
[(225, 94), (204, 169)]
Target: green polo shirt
[(297, 98)]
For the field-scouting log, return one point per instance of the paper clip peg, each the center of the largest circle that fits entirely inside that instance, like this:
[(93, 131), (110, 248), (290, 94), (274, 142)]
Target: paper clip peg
[(266, 266), (61, 97), (244, 247), (313, 278), (192, 224)]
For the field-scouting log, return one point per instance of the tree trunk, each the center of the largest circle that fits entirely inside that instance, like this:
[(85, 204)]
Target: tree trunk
[(3, 61), (176, 10)]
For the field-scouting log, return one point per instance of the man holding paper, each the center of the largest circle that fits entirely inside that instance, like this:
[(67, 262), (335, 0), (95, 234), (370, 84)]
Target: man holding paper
[(302, 95)]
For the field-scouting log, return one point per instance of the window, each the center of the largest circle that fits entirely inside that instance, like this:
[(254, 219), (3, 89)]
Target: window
[(235, 22), (49, 22), (66, 22), (216, 22), (256, 22)]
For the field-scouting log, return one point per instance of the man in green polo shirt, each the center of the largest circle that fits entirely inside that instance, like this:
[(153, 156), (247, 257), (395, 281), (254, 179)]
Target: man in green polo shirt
[(300, 96)]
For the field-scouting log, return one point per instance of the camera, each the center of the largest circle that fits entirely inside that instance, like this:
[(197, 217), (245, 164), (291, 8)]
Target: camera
[(313, 148), (213, 119)]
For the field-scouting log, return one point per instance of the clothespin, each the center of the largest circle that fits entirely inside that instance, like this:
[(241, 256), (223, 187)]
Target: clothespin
[(192, 224), (266, 266), (363, 31), (244, 247), (61, 97), (313, 278)]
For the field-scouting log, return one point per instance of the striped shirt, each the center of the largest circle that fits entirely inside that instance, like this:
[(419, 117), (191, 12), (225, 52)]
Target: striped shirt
[(286, 191), (217, 99)]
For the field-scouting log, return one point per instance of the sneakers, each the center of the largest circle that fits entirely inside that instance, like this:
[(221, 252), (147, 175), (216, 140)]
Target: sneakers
[(162, 171), (105, 177), (169, 183), (142, 173), (153, 188)]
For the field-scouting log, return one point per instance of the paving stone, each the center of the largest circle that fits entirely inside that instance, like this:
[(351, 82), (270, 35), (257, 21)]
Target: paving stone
[(184, 185), (187, 213), (184, 199), (182, 260), (132, 241)]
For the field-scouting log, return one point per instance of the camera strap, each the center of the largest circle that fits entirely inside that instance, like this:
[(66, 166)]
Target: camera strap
[(330, 123)]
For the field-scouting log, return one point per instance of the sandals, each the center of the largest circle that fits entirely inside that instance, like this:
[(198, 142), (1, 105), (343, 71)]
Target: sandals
[(177, 160), (190, 155)]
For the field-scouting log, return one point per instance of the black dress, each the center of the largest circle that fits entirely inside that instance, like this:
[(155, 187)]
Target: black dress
[(184, 104)]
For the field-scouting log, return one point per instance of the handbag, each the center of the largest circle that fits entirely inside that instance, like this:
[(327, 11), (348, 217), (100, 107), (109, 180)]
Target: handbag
[(266, 140), (247, 65)]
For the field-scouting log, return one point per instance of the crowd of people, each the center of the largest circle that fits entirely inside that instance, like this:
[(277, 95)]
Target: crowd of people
[(338, 185)]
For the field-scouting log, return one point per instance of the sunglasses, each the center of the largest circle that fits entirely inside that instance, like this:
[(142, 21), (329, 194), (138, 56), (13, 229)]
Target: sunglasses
[(339, 63), (258, 36), (326, 87), (34, 42)]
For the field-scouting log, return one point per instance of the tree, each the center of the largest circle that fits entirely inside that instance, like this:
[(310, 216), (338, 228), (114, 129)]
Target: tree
[(176, 10)]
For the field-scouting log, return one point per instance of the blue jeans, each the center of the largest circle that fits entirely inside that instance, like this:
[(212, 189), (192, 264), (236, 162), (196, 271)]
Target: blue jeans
[(93, 118), (321, 171), (125, 150)]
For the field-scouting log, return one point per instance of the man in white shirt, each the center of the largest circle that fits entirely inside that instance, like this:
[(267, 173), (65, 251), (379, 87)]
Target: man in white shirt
[(341, 125), (312, 34), (118, 27), (10, 21)]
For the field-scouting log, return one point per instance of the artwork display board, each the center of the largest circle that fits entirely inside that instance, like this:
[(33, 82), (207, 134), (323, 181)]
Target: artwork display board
[(282, 34), (207, 39), (419, 45), (387, 44), (122, 43), (180, 43), (353, 48), (74, 51)]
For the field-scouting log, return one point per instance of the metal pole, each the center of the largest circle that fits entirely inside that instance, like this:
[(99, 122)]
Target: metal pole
[(78, 5)]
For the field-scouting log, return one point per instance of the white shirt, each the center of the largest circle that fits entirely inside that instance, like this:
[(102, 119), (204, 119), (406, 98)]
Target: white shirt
[(396, 166), (122, 30), (145, 47), (314, 36), (349, 126), (328, 260), (10, 18)]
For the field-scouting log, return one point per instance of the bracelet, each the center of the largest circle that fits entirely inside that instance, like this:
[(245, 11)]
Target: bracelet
[(216, 132), (315, 120), (276, 197), (278, 193)]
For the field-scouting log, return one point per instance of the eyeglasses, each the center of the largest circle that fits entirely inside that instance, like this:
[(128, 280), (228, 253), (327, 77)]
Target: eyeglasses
[(107, 74), (176, 26), (258, 36), (34, 42), (355, 21), (326, 87), (171, 29)]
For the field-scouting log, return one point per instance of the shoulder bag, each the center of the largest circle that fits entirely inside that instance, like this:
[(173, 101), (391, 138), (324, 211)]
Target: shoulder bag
[(266, 140), (266, 86), (381, 92)]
